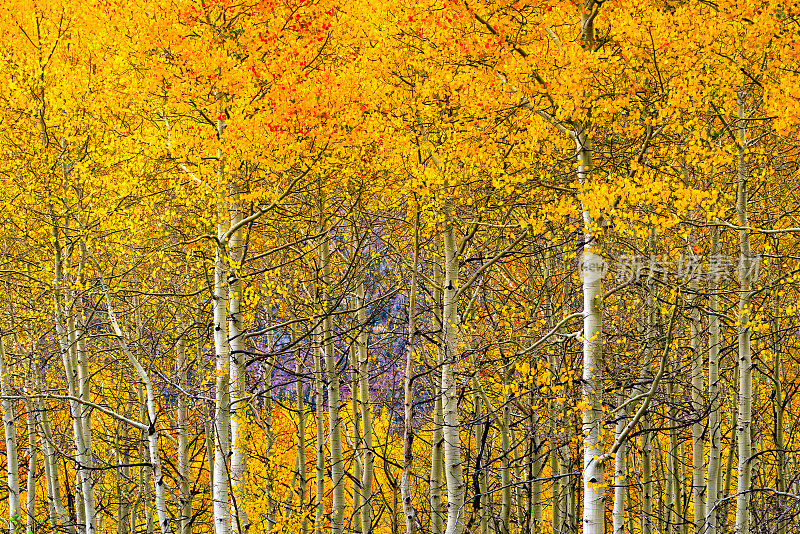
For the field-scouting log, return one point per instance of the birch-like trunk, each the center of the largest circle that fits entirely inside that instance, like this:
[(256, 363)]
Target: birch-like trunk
[(367, 454), (319, 405), (713, 477), (184, 522), (698, 428), (452, 427), (222, 413), (593, 499), (238, 393), (745, 357), (505, 458), (437, 440), (408, 394), (620, 471), (332, 374), (302, 485), (355, 408), (33, 452), (10, 427)]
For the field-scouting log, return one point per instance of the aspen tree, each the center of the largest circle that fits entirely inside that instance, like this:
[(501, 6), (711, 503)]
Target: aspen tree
[(745, 358), (367, 454), (300, 455), (408, 398), (319, 406), (713, 475), (236, 339), (33, 451), (9, 425), (437, 439), (332, 376), (222, 413)]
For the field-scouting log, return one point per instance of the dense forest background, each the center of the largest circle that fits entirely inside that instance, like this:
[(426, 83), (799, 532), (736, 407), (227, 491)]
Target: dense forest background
[(446, 267)]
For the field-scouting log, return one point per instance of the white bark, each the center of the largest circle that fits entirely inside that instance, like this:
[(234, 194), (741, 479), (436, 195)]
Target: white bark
[(620, 472), (10, 427), (302, 485), (334, 416), (33, 452), (355, 407), (593, 498), (220, 492), (715, 401), (437, 506), (237, 371), (408, 396), (698, 428), (745, 357), (452, 427), (319, 385), (366, 414), (184, 494)]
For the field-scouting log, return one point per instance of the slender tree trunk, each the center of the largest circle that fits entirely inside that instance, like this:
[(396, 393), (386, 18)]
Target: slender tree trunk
[(745, 354), (713, 493), (237, 374), (33, 452), (593, 498), (647, 477), (334, 416), (319, 405), (452, 427), (406, 488), (698, 428), (673, 471), (620, 471), (366, 413), (302, 485), (222, 414), (355, 407), (184, 523), (10, 427), (780, 446), (164, 522), (437, 440)]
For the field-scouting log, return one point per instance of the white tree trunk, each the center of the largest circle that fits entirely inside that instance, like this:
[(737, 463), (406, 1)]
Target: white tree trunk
[(698, 428), (408, 394), (715, 401), (366, 413), (302, 485), (620, 472), (237, 372), (452, 427), (334, 416), (222, 414), (745, 356), (184, 494), (319, 385), (10, 427), (33, 452), (593, 497), (437, 505)]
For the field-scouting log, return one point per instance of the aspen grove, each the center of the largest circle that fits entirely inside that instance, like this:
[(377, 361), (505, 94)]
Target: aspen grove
[(392, 266)]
